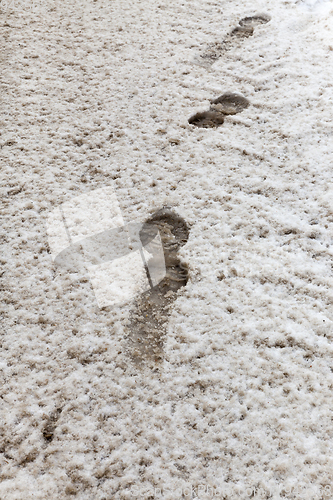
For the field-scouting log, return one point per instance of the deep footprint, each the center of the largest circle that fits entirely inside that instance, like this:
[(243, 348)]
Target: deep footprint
[(227, 104), (148, 319), (230, 103), (207, 119), (232, 40)]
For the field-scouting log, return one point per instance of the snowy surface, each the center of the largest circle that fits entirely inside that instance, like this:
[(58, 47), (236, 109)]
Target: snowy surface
[(99, 93)]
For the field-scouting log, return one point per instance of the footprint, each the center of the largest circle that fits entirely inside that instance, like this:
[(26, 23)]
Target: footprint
[(227, 104), (233, 39), (148, 319), (207, 119), (255, 20)]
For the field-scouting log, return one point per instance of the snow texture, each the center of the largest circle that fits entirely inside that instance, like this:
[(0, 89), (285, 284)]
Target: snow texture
[(97, 94)]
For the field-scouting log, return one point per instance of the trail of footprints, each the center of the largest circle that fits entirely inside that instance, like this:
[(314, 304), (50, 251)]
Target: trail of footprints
[(233, 40), (227, 104), (149, 316)]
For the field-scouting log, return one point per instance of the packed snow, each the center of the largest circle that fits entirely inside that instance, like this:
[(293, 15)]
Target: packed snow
[(97, 95)]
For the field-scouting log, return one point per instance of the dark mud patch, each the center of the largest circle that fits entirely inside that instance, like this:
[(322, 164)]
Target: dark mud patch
[(50, 425), (227, 104), (233, 40), (149, 316)]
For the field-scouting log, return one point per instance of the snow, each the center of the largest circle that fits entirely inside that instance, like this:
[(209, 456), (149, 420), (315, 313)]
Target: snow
[(99, 94)]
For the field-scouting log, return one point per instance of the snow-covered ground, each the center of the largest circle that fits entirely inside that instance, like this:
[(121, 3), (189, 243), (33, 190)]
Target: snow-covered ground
[(99, 94)]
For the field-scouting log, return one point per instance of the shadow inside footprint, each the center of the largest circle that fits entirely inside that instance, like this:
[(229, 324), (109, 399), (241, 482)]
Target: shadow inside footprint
[(147, 326), (244, 30), (227, 104)]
